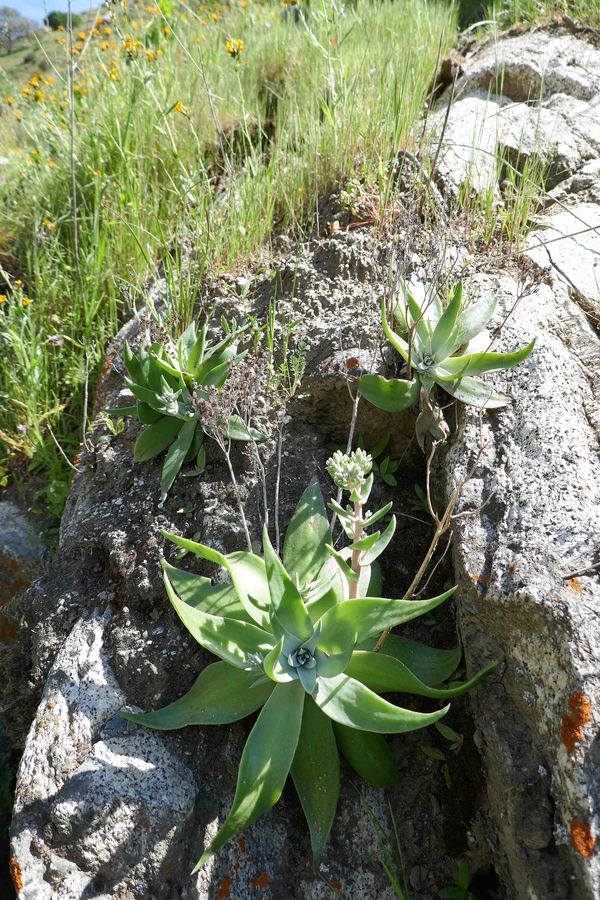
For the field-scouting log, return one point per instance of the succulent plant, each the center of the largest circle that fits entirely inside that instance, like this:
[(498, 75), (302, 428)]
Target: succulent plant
[(166, 379), (292, 645), (436, 346)]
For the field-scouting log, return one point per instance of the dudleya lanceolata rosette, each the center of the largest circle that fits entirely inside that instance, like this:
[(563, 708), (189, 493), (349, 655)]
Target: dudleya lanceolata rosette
[(293, 645), (435, 343)]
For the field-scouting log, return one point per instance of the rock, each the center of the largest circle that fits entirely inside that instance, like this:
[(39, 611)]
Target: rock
[(115, 800), (570, 245), (531, 95), (535, 518), (20, 551)]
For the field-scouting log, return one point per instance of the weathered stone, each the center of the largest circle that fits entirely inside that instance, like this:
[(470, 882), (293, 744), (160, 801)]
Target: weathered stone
[(20, 551), (570, 244), (535, 502), (533, 95)]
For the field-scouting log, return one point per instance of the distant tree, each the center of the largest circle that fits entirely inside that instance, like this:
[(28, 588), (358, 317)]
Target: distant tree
[(56, 20), (13, 26)]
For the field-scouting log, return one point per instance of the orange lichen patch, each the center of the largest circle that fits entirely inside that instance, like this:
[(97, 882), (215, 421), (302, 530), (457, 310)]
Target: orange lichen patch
[(575, 585), (582, 838), (336, 885), (15, 874), (108, 361), (260, 881), (224, 888), (352, 362), (574, 722), (242, 844)]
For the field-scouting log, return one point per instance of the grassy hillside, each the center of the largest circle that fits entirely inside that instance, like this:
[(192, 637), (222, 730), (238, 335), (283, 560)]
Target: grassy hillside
[(164, 131)]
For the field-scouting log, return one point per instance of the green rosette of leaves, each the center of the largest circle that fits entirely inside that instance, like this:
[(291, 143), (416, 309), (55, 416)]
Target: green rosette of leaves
[(292, 645), (434, 342), (164, 378)]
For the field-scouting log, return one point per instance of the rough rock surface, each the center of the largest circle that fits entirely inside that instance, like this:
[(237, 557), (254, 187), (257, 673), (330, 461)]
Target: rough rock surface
[(536, 493), (104, 810), (20, 551)]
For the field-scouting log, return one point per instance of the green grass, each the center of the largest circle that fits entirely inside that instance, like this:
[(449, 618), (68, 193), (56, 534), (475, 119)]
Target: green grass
[(511, 12), (260, 142)]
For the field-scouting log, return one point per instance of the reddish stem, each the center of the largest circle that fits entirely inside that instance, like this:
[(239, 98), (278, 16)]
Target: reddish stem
[(358, 530)]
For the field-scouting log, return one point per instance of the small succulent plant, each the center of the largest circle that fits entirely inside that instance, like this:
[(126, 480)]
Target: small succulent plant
[(293, 644), (167, 380), (436, 345)]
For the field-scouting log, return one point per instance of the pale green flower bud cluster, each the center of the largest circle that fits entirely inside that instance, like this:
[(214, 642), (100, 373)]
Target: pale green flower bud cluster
[(349, 470)]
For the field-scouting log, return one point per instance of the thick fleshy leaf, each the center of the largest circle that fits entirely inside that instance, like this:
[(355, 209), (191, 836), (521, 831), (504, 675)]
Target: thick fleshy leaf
[(392, 395), (345, 568), (384, 674), (177, 454), (147, 415), (395, 340), (316, 775), (265, 763), (369, 754), (236, 642), (441, 339), (419, 321), (156, 438), (379, 514), (247, 572), (430, 665), (379, 546), (335, 664), (364, 617), (286, 600), (199, 592), (473, 319), (237, 430), (478, 363), (273, 666), (304, 553), (350, 703), (221, 694), (474, 392)]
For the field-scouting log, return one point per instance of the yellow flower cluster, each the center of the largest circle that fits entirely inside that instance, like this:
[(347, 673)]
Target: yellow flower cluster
[(234, 47)]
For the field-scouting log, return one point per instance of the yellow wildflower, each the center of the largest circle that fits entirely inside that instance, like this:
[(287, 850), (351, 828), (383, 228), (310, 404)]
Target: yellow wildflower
[(9, 100), (150, 55), (27, 301), (50, 79), (106, 30), (104, 45), (51, 164), (18, 115), (81, 35), (25, 92), (49, 225), (234, 47), (3, 298), (40, 96), (19, 282), (95, 32), (180, 108)]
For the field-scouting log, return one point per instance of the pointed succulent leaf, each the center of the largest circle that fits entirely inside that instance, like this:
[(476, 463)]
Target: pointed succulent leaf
[(473, 319), (156, 438), (221, 694), (177, 454), (304, 552), (366, 616), (132, 363), (478, 363), (308, 679), (196, 352), (247, 573), (378, 515), (395, 340), (474, 392), (369, 754), (199, 592), (235, 641), (286, 600), (392, 395), (121, 410), (367, 542), (272, 666), (441, 339), (347, 571), (383, 673), (350, 703), (379, 546), (146, 414), (265, 763), (417, 315), (334, 664), (146, 396), (237, 430), (430, 665), (316, 775)]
